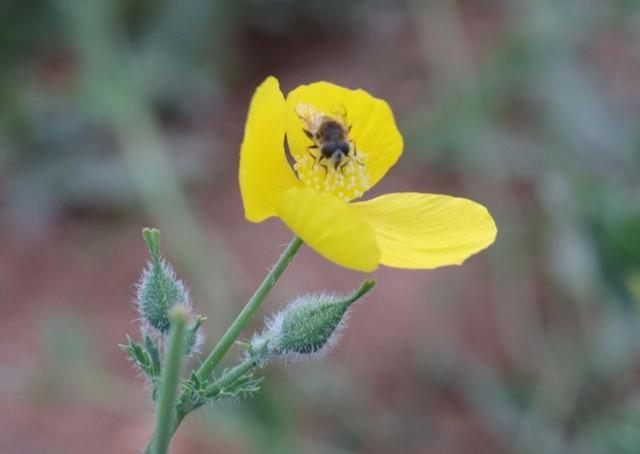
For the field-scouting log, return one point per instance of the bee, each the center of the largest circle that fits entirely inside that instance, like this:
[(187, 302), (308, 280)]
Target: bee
[(330, 136)]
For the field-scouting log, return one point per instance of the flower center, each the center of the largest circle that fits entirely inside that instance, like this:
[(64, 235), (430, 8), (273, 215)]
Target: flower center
[(348, 182), (331, 163)]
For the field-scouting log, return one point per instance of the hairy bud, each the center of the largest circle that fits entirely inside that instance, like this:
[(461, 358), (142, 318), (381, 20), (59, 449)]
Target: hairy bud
[(159, 290), (307, 327)]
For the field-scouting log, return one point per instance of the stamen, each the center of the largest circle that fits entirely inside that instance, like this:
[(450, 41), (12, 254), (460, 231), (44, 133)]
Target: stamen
[(348, 182)]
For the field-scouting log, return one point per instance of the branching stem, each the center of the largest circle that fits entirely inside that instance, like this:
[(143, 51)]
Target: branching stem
[(169, 416), (230, 377)]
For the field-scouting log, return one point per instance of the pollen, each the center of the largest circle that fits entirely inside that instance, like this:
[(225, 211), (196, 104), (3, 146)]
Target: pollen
[(348, 181)]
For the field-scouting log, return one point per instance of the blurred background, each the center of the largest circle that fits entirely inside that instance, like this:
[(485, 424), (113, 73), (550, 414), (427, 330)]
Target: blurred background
[(129, 113)]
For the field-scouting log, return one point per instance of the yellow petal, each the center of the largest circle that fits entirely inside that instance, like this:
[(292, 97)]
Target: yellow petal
[(264, 171), (427, 230), (373, 128), (331, 227)]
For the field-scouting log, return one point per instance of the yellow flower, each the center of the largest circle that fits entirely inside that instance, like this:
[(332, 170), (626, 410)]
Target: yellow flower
[(314, 196)]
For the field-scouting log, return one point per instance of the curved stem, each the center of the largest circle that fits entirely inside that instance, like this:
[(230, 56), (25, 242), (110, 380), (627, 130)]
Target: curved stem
[(165, 412), (249, 310)]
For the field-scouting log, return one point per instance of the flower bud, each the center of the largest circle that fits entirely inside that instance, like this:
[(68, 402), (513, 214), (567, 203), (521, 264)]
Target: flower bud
[(309, 326), (159, 290)]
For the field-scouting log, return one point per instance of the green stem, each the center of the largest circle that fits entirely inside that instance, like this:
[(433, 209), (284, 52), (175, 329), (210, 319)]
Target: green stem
[(165, 411), (248, 311)]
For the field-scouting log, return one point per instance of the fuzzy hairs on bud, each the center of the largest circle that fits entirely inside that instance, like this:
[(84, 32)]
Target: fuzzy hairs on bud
[(157, 292), (308, 327)]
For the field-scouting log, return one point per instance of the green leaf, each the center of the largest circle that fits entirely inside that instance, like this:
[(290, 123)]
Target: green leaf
[(153, 353), (138, 356)]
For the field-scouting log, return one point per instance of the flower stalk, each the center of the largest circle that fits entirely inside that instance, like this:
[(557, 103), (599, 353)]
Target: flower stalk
[(249, 310), (165, 412)]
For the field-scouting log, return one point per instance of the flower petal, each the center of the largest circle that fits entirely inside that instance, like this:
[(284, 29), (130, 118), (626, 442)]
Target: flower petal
[(264, 170), (373, 128), (427, 230), (331, 227)]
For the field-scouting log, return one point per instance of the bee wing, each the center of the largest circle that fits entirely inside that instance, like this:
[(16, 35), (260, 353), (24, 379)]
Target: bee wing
[(310, 115)]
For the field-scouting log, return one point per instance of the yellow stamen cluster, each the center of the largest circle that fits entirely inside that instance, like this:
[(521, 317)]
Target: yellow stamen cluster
[(348, 182)]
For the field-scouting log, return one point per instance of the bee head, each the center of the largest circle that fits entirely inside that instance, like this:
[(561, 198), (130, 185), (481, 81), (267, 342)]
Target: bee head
[(336, 150)]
